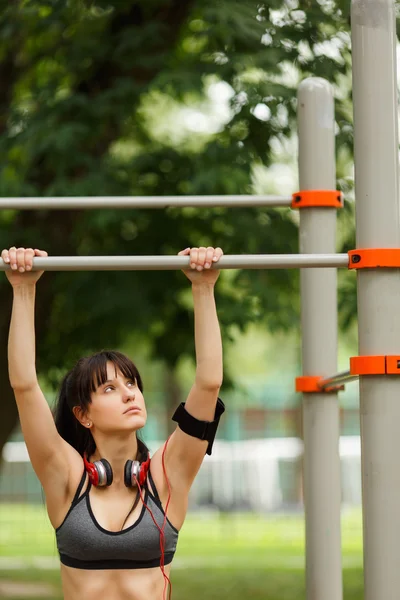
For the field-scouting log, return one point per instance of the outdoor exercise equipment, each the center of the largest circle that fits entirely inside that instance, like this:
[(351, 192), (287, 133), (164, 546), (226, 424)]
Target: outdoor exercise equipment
[(376, 261)]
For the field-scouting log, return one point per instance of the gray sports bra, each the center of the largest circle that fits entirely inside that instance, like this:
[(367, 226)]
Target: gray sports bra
[(83, 544)]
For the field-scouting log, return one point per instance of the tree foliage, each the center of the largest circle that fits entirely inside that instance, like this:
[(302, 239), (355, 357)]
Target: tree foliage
[(78, 86)]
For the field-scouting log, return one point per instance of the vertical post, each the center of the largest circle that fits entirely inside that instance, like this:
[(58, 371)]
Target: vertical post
[(322, 489), (377, 226)]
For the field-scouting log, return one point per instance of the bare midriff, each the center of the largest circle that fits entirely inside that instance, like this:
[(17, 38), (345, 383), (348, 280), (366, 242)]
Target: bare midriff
[(116, 584)]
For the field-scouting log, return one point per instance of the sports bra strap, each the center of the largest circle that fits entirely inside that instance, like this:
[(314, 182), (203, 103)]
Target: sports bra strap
[(78, 491), (153, 487)]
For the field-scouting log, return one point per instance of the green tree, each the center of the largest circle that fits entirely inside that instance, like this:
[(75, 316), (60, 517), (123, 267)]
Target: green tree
[(82, 87)]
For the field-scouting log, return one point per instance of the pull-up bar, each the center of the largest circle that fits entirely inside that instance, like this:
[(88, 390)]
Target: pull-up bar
[(171, 263), (89, 202)]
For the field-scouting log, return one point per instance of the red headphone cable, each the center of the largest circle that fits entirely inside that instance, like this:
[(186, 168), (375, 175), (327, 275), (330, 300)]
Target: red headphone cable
[(162, 535)]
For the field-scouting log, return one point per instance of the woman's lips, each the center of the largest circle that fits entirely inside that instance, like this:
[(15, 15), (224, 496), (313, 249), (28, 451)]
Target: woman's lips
[(132, 410)]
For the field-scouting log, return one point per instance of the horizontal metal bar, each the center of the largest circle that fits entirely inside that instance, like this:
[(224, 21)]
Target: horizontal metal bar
[(338, 379), (86, 202), (171, 263)]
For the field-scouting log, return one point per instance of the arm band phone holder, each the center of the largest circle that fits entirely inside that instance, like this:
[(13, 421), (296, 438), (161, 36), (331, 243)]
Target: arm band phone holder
[(203, 430)]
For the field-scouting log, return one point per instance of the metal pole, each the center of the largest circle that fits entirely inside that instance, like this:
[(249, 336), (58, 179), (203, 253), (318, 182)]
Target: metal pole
[(378, 226), (338, 379), (322, 490), (171, 263), (90, 202)]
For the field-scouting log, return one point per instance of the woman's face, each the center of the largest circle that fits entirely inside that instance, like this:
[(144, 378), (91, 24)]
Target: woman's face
[(112, 399)]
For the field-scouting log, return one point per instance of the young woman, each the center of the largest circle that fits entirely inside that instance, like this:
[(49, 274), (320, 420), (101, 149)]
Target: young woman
[(116, 514)]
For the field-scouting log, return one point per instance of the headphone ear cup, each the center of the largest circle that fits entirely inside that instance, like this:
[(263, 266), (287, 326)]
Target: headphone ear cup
[(108, 472), (100, 472), (132, 473), (144, 469), (91, 471), (128, 474)]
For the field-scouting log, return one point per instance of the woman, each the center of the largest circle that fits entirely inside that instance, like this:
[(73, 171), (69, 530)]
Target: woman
[(116, 514)]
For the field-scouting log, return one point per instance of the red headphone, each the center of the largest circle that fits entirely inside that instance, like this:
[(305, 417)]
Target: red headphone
[(100, 472)]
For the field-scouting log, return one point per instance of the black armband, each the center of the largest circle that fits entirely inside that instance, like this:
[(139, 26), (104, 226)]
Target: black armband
[(203, 430)]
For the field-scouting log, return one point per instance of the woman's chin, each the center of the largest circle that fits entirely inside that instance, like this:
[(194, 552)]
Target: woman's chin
[(138, 423)]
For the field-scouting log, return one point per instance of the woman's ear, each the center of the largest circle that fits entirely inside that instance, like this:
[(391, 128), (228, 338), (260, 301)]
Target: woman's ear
[(81, 416)]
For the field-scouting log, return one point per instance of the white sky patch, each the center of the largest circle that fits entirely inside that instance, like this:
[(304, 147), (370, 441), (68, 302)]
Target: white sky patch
[(211, 116), (299, 16), (266, 39), (179, 122), (262, 112), (331, 49), (220, 92), (197, 121)]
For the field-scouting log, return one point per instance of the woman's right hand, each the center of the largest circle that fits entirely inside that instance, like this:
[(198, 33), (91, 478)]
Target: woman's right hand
[(21, 263)]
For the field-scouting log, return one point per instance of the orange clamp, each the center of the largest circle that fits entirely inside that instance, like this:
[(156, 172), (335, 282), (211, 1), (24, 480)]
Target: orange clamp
[(370, 258), (317, 198), (375, 365), (310, 385)]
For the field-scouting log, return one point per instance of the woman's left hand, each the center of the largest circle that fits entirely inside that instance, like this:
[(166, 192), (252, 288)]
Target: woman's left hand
[(201, 260)]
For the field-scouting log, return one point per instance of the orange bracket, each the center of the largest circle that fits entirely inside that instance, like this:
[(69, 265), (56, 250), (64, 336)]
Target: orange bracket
[(317, 198), (375, 365), (371, 258), (310, 385)]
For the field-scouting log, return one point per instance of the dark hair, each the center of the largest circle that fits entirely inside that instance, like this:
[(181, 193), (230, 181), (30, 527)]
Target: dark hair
[(76, 388)]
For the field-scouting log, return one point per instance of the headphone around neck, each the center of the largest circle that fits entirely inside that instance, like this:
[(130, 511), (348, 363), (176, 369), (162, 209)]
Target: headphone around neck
[(100, 472)]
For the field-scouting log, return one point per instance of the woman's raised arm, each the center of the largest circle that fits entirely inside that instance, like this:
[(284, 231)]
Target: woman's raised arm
[(208, 345), (21, 342), (186, 451), (50, 454)]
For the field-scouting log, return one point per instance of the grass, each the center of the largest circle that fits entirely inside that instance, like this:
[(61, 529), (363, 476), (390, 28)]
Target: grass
[(224, 557)]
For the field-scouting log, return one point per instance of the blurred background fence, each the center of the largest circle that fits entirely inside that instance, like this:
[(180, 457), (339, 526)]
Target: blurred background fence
[(260, 475)]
